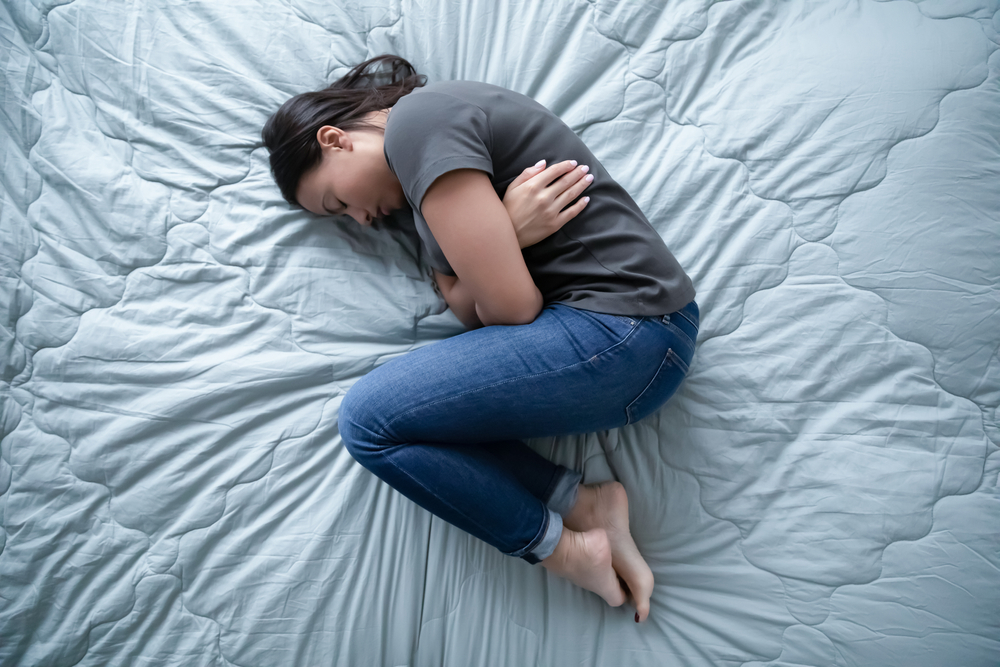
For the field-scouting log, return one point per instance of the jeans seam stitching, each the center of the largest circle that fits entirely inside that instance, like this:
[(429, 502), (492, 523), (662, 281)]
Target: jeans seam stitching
[(670, 355), (507, 381), (535, 541), (524, 550), (685, 334), (689, 321)]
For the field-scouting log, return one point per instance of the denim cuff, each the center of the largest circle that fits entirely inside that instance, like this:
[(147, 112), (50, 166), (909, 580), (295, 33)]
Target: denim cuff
[(550, 539), (562, 497)]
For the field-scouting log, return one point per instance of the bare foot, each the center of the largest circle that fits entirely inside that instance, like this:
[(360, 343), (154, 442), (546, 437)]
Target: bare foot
[(585, 559), (606, 506)]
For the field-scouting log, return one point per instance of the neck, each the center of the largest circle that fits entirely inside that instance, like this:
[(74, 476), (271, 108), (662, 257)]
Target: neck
[(377, 118)]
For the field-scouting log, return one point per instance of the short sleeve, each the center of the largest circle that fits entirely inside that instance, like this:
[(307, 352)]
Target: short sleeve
[(429, 134)]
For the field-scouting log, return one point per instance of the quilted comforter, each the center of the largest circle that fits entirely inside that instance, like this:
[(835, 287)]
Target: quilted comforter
[(175, 340)]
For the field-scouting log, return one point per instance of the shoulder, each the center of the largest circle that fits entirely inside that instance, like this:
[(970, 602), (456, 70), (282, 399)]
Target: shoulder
[(441, 99), (436, 102), (432, 131), (459, 107), (438, 114)]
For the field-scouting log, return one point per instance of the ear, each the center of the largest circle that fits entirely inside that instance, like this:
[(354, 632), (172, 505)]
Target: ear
[(330, 137)]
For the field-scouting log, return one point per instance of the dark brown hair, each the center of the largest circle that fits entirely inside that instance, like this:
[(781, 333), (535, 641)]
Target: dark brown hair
[(290, 134)]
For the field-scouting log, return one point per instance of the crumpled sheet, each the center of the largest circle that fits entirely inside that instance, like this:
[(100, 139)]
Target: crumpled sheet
[(176, 340)]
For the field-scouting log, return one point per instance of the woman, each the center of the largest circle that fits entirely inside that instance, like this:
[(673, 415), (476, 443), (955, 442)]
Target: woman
[(580, 318)]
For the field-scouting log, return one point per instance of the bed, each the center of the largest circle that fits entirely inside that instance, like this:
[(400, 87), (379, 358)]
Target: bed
[(176, 339)]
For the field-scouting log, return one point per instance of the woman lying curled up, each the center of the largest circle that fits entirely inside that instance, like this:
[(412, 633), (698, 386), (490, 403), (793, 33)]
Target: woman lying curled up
[(579, 317)]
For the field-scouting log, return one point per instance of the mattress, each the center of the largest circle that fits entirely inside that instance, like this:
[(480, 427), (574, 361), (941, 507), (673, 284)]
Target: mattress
[(176, 339)]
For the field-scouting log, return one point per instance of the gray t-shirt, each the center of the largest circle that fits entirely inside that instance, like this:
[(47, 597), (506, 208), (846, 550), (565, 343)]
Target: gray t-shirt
[(608, 259)]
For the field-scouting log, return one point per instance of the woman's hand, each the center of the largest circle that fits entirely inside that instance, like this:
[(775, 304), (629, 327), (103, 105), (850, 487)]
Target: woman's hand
[(537, 200)]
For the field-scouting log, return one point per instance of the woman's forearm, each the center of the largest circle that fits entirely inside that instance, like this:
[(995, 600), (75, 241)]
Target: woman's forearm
[(459, 299), (486, 254), (531, 303)]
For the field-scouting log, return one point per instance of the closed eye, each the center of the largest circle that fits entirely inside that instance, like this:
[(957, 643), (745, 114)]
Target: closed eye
[(343, 208)]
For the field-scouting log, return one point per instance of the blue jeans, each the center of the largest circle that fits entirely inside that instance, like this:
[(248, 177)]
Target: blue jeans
[(444, 424)]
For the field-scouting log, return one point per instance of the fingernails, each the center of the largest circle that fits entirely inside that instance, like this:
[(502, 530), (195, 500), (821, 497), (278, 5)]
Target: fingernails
[(540, 163), (584, 169), (636, 617), (586, 200), (589, 178), (573, 162)]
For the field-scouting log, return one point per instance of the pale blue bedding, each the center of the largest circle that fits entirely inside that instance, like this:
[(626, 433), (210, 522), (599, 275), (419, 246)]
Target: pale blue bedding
[(176, 340)]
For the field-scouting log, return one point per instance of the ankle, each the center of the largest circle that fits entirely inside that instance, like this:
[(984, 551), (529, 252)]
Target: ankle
[(559, 560), (583, 509)]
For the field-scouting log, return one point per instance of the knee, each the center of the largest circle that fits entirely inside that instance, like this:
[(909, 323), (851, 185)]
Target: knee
[(358, 423)]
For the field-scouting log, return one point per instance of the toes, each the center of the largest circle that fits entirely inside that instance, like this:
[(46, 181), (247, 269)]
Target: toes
[(642, 604), (618, 598), (642, 611), (639, 588)]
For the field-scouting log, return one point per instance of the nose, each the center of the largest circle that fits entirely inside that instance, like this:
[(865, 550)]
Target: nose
[(360, 215)]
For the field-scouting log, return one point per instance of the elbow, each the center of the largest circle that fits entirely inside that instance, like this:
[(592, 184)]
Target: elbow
[(523, 316), (521, 311)]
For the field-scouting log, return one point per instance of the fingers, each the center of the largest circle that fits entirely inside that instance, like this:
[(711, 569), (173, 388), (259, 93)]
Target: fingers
[(523, 177), (571, 212), (556, 171), (568, 212), (574, 189), (562, 174)]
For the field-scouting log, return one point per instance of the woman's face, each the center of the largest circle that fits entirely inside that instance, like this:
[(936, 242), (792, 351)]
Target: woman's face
[(352, 178)]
